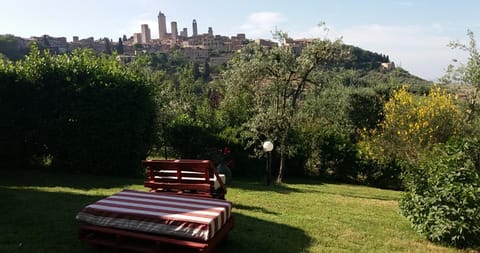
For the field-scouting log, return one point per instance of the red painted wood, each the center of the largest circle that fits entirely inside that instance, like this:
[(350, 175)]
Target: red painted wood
[(183, 176), (144, 242)]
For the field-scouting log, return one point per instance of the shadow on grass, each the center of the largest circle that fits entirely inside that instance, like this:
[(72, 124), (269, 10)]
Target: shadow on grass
[(262, 187), (254, 209), (251, 234), (49, 178), (37, 221), (370, 197)]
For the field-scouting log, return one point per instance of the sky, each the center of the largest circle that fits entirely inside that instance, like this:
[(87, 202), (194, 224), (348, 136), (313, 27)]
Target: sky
[(414, 34)]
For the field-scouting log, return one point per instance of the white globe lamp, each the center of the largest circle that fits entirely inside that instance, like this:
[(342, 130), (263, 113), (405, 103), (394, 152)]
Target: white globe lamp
[(267, 146)]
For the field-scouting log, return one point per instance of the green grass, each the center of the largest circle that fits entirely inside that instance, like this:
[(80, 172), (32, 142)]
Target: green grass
[(37, 214)]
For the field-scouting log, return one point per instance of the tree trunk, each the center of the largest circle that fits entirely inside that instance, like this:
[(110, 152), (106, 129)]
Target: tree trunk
[(282, 163)]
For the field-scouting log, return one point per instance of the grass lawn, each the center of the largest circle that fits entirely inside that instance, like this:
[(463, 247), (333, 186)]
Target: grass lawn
[(37, 214)]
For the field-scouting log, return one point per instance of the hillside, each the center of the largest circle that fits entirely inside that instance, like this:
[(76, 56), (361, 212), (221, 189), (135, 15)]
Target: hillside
[(366, 68)]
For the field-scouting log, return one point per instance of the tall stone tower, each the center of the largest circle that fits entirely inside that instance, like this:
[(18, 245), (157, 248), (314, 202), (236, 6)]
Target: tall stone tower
[(146, 36), (210, 31), (194, 28), (174, 31), (162, 26)]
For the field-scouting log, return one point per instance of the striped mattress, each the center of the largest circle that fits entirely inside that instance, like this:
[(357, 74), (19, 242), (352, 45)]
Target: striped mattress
[(167, 214)]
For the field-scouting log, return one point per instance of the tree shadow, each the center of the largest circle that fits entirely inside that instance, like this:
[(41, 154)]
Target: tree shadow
[(254, 209), (259, 186), (251, 234), (36, 221), (262, 187), (49, 178)]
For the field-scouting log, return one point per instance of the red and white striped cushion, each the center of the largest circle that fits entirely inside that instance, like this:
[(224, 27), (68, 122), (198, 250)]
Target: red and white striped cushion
[(185, 216)]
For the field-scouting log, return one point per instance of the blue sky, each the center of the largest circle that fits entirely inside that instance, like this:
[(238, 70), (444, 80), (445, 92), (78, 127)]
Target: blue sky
[(414, 34)]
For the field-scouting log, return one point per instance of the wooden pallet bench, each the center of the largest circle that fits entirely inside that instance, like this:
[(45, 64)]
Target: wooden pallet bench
[(195, 177), (178, 187)]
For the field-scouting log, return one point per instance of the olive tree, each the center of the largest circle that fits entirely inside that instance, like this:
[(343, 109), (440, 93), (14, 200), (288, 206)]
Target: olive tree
[(266, 87)]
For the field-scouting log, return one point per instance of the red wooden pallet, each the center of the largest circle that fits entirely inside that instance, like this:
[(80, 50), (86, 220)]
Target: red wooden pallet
[(186, 177), (196, 177), (149, 243)]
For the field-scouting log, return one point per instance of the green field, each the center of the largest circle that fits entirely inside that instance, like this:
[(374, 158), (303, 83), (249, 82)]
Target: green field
[(37, 214)]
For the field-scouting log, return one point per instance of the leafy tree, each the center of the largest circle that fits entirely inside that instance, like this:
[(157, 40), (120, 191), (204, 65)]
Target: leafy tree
[(120, 46), (270, 84), (196, 71), (108, 46), (206, 72), (469, 74)]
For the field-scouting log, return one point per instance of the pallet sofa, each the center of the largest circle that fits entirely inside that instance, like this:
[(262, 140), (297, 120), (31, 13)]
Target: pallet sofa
[(184, 211)]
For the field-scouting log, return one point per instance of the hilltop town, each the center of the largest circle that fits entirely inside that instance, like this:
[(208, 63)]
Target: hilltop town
[(196, 46)]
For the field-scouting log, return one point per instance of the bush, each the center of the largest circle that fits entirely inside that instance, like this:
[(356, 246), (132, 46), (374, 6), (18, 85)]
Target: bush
[(412, 124), (442, 198), (83, 112)]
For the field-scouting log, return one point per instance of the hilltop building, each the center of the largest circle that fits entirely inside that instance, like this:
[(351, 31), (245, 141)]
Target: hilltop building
[(194, 28), (174, 32), (162, 26), (146, 36)]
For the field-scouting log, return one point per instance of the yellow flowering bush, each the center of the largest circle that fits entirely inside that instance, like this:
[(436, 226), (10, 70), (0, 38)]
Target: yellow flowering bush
[(412, 123)]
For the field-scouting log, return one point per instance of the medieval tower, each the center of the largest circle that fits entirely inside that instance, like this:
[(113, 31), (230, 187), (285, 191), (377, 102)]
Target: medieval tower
[(162, 26)]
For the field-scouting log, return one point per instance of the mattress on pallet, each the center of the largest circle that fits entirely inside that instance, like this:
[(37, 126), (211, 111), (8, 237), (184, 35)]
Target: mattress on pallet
[(160, 213)]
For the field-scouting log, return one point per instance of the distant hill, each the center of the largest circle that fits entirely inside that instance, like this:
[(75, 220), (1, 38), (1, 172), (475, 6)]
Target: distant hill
[(14, 48), (366, 68)]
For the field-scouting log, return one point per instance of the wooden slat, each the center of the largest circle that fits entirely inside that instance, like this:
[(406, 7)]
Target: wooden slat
[(179, 186), (117, 238), (183, 175)]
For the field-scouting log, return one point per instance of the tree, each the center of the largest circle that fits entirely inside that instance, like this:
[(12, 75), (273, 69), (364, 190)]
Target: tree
[(108, 47), (196, 71), (120, 46), (469, 74), (206, 72), (269, 84)]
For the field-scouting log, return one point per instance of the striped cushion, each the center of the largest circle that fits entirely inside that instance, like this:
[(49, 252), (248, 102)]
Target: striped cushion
[(185, 216)]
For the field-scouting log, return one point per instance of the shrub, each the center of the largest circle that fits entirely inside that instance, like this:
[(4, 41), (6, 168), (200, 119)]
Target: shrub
[(411, 124), (442, 198), (84, 112)]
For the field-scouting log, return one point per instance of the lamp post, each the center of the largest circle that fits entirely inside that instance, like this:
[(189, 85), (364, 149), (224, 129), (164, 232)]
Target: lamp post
[(267, 148)]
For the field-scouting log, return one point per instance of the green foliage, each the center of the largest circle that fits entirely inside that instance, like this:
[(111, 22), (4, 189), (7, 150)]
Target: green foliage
[(411, 124), (365, 60), (468, 73), (266, 86), (119, 47), (365, 107), (83, 112), (443, 193)]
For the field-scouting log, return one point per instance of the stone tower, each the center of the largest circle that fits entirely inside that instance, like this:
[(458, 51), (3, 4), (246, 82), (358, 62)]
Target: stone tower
[(194, 28), (210, 31), (146, 36), (174, 31), (162, 26)]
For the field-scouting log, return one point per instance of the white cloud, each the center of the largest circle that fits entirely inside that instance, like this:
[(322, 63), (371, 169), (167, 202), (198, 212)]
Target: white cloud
[(261, 24)]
